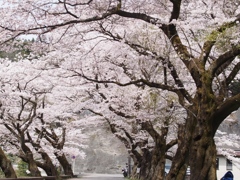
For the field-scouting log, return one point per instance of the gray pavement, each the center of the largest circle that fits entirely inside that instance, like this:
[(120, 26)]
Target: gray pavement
[(88, 176)]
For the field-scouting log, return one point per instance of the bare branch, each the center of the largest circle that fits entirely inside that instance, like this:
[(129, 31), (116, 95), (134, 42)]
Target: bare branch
[(224, 60), (233, 73), (176, 9), (226, 108), (65, 6)]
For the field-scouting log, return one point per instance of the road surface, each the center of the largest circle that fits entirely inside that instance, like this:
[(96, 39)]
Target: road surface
[(87, 176)]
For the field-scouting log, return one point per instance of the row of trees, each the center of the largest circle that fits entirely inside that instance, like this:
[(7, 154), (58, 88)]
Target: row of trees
[(160, 73), (33, 126)]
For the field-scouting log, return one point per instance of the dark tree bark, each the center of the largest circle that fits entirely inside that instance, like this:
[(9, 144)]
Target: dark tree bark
[(58, 144), (206, 107), (18, 130), (29, 158), (47, 165), (6, 165), (67, 168), (196, 146), (151, 161)]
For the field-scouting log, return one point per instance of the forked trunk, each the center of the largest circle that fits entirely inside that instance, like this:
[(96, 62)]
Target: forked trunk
[(47, 164)]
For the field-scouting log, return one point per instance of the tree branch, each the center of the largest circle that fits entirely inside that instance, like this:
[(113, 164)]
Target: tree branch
[(224, 60), (226, 108), (119, 113), (65, 6), (176, 9), (147, 125), (233, 74), (171, 144)]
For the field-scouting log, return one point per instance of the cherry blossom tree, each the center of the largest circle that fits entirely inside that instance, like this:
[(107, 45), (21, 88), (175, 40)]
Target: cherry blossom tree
[(26, 101), (143, 118), (189, 48)]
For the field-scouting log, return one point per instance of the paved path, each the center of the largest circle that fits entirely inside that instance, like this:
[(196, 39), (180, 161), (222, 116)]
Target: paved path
[(87, 176)]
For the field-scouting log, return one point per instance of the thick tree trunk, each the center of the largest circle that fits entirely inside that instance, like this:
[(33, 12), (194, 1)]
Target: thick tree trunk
[(67, 168), (196, 148), (203, 160), (203, 152), (180, 160), (145, 165), (152, 161), (48, 166), (152, 166), (32, 166), (6, 166)]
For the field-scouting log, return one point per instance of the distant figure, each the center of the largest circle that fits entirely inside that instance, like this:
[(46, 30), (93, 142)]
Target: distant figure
[(124, 172), (228, 176)]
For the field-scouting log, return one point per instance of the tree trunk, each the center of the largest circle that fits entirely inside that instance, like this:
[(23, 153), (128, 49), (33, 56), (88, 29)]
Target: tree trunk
[(32, 166), (152, 161), (152, 166), (202, 153), (47, 166), (180, 160), (202, 159), (6, 166), (67, 168), (196, 148)]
